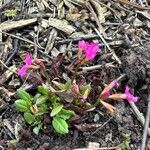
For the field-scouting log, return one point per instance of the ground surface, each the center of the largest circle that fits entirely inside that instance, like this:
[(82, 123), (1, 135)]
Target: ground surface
[(125, 30)]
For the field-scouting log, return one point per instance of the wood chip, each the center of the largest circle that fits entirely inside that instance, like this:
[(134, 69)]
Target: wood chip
[(10, 25), (61, 25)]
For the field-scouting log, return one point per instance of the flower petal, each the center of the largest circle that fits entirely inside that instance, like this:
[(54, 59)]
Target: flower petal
[(22, 71), (91, 50), (129, 96), (82, 45), (117, 96), (108, 106), (28, 59), (107, 89)]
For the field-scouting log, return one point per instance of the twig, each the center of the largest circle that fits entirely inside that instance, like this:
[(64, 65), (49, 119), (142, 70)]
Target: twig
[(132, 4), (121, 77), (139, 115), (15, 49), (146, 125), (111, 50), (20, 38), (101, 127), (101, 29), (85, 69), (1, 62), (86, 37)]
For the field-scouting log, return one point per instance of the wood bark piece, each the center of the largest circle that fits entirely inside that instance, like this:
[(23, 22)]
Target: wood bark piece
[(132, 4), (51, 40), (9, 25), (95, 146), (61, 25), (146, 126)]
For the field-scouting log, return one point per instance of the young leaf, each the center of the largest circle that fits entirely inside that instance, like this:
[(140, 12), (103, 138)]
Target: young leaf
[(42, 109), (56, 110), (42, 99), (37, 129), (86, 88), (22, 105), (68, 85), (59, 85), (24, 95), (54, 99), (29, 118), (60, 125), (65, 114), (43, 90)]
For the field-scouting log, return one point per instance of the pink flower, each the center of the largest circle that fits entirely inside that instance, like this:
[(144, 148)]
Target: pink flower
[(82, 44), (106, 92), (129, 96), (28, 61), (90, 49)]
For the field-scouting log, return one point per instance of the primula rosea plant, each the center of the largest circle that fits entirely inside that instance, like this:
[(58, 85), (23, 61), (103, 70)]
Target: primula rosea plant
[(62, 100)]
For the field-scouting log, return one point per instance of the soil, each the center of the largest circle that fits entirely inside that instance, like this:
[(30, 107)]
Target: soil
[(135, 65)]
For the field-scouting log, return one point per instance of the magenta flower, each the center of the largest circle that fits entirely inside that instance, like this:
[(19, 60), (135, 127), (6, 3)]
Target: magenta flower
[(90, 49), (129, 96), (28, 61), (82, 45), (106, 92)]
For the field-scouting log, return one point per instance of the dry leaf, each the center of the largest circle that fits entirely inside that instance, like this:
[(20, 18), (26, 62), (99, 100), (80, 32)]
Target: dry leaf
[(102, 12), (9, 25), (61, 25), (51, 40), (73, 17)]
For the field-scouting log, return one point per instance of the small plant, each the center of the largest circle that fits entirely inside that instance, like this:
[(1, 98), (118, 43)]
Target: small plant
[(42, 103), (63, 100), (125, 144)]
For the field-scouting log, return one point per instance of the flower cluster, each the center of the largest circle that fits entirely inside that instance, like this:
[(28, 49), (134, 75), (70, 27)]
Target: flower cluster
[(127, 95), (90, 49)]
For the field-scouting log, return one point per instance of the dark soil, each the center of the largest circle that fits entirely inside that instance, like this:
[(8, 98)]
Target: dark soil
[(136, 66)]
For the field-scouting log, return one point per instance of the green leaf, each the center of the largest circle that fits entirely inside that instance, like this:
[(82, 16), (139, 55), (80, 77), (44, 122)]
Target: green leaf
[(42, 99), (60, 125), (43, 90), (61, 86), (66, 114), (54, 99), (37, 129), (38, 120), (29, 118), (85, 89), (56, 110), (22, 105), (42, 109), (68, 85), (24, 95)]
